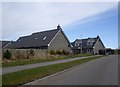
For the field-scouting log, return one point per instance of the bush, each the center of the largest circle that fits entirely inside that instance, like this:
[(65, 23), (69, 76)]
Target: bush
[(32, 52), (52, 52), (118, 52), (59, 52), (65, 52), (7, 54)]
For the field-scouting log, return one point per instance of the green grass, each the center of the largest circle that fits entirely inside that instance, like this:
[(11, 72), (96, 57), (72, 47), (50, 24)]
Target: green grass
[(24, 76), (31, 61), (24, 62)]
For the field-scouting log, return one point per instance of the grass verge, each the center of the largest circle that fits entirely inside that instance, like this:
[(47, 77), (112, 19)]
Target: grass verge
[(31, 61), (24, 76)]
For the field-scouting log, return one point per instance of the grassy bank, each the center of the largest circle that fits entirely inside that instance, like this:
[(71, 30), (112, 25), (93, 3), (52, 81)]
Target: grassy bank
[(38, 60), (24, 76)]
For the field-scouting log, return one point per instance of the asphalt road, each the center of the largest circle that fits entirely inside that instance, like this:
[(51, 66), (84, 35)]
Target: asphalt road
[(6, 70), (103, 71)]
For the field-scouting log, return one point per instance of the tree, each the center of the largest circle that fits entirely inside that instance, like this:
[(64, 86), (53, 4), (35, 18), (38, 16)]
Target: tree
[(7, 54)]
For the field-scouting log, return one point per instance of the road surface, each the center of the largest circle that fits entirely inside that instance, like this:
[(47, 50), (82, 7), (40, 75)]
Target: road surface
[(103, 71), (6, 70)]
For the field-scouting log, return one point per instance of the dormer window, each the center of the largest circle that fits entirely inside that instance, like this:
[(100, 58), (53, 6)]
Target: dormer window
[(77, 44), (89, 43), (44, 38)]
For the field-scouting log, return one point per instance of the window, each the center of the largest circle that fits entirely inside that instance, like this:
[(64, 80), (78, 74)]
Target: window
[(88, 43), (91, 43), (75, 44), (89, 50), (44, 38), (80, 44)]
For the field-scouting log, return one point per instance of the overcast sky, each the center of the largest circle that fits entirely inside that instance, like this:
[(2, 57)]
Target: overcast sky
[(86, 19)]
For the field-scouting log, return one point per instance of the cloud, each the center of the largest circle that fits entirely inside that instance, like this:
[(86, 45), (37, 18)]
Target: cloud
[(100, 17), (23, 18)]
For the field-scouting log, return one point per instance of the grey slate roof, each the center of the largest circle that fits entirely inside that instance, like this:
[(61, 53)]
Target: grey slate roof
[(85, 41), (7, 44), (36, 39), (4, 43)]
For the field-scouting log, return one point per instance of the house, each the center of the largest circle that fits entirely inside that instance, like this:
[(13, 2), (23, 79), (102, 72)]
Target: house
[(49, 40), (107, 51), (5, 44), (88, 45)]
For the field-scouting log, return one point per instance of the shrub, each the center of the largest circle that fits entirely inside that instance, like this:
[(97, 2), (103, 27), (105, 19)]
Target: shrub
[(65, 52), (52, 52), (59, 52), (7, 54), (32, 52), (118, 52)]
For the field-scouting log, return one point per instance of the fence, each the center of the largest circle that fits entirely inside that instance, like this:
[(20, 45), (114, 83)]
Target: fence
[(28, 53)]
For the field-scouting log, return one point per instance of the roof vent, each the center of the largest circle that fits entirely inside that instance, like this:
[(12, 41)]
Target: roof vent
[(36, 38), (44, 38)]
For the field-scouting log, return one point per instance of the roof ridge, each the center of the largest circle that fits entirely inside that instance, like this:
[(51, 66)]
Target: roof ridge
[(38, 33), (88, 38), (44, 31)]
